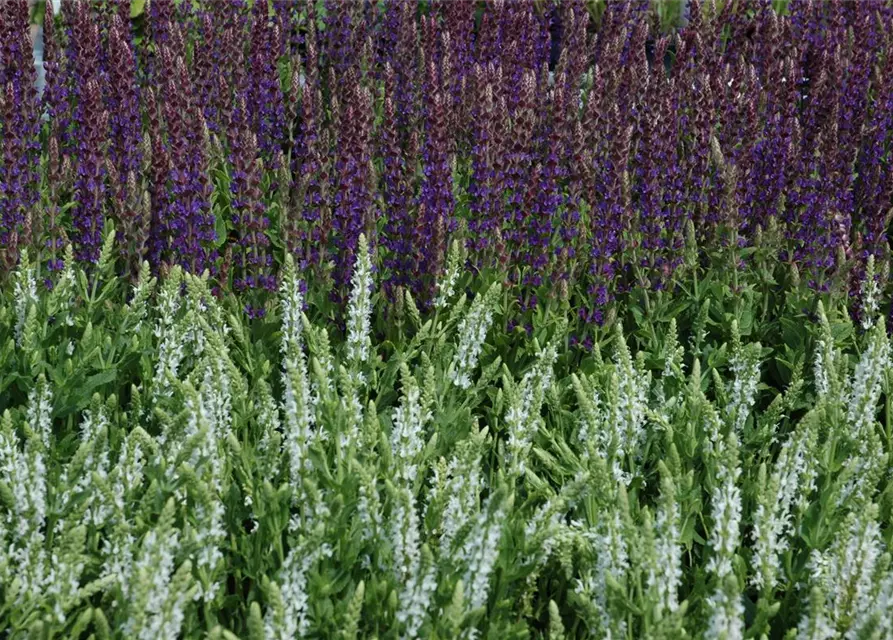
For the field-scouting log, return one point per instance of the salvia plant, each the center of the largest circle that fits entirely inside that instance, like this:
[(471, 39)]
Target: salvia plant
[(446, 319), (566, 146), (171, 468)]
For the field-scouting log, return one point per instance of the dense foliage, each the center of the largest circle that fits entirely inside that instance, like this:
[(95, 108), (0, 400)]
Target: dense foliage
[(167, 472), (446, 319)]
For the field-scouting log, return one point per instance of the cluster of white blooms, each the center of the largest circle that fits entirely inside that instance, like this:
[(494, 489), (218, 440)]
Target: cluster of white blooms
[(359, 306), (25, 295), (462, 488), (593, 435), (665, 573), (831, 384), (268, 419), (168, 331), (63, 576), (407, 436), (321, 350), (40, 406), (874, 618), (216, 394), (865, 461), (369, 510), (480, 552), (78, 477), (405, 534), (155, 596), (870, 295), (824, 367), (414, 568), (726, 613), (726, 515), (793, 475), (627, 406), (208, 534), (290, 619), (522, 419), (745, 364), (351, 410), (865, 388), (447, 284), (600, 435), (609, 544), (851, 570), (472, 332), (724, 604), (23, 470), (815, 624), (291, 302), (674, 355), (298, 404), (127, 475), (854, 580), (547, 534)]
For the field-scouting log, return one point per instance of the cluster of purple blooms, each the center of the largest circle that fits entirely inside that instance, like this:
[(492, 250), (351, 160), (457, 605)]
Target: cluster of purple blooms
[(564, 146)]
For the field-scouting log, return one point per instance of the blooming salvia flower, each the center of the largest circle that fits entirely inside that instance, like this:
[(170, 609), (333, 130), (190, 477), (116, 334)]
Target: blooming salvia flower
[(794, 472), (128, 473), (447, 283), (846, 575), (369, 509), (137, 308), (480, 551), (472, 331), (547, 534), (291, 300), (89, 465), (726, 514), (210, 426), (407, 436), (413, 564), (290, 619), (815, 625), (61, 300), (827, 380), (724, 604), (627, 405), (270, 441), (726, 612), (609, 544), (460, 486), (865, 461), (359, 308), (665, 573), (875, 617), (298, 405), (745, 364), (351, 408), (40, 409), (24, 474), (320, 348), (154, 607), (870, 295), (523, 419), (25, 292), (866, 385), (171, 346)]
